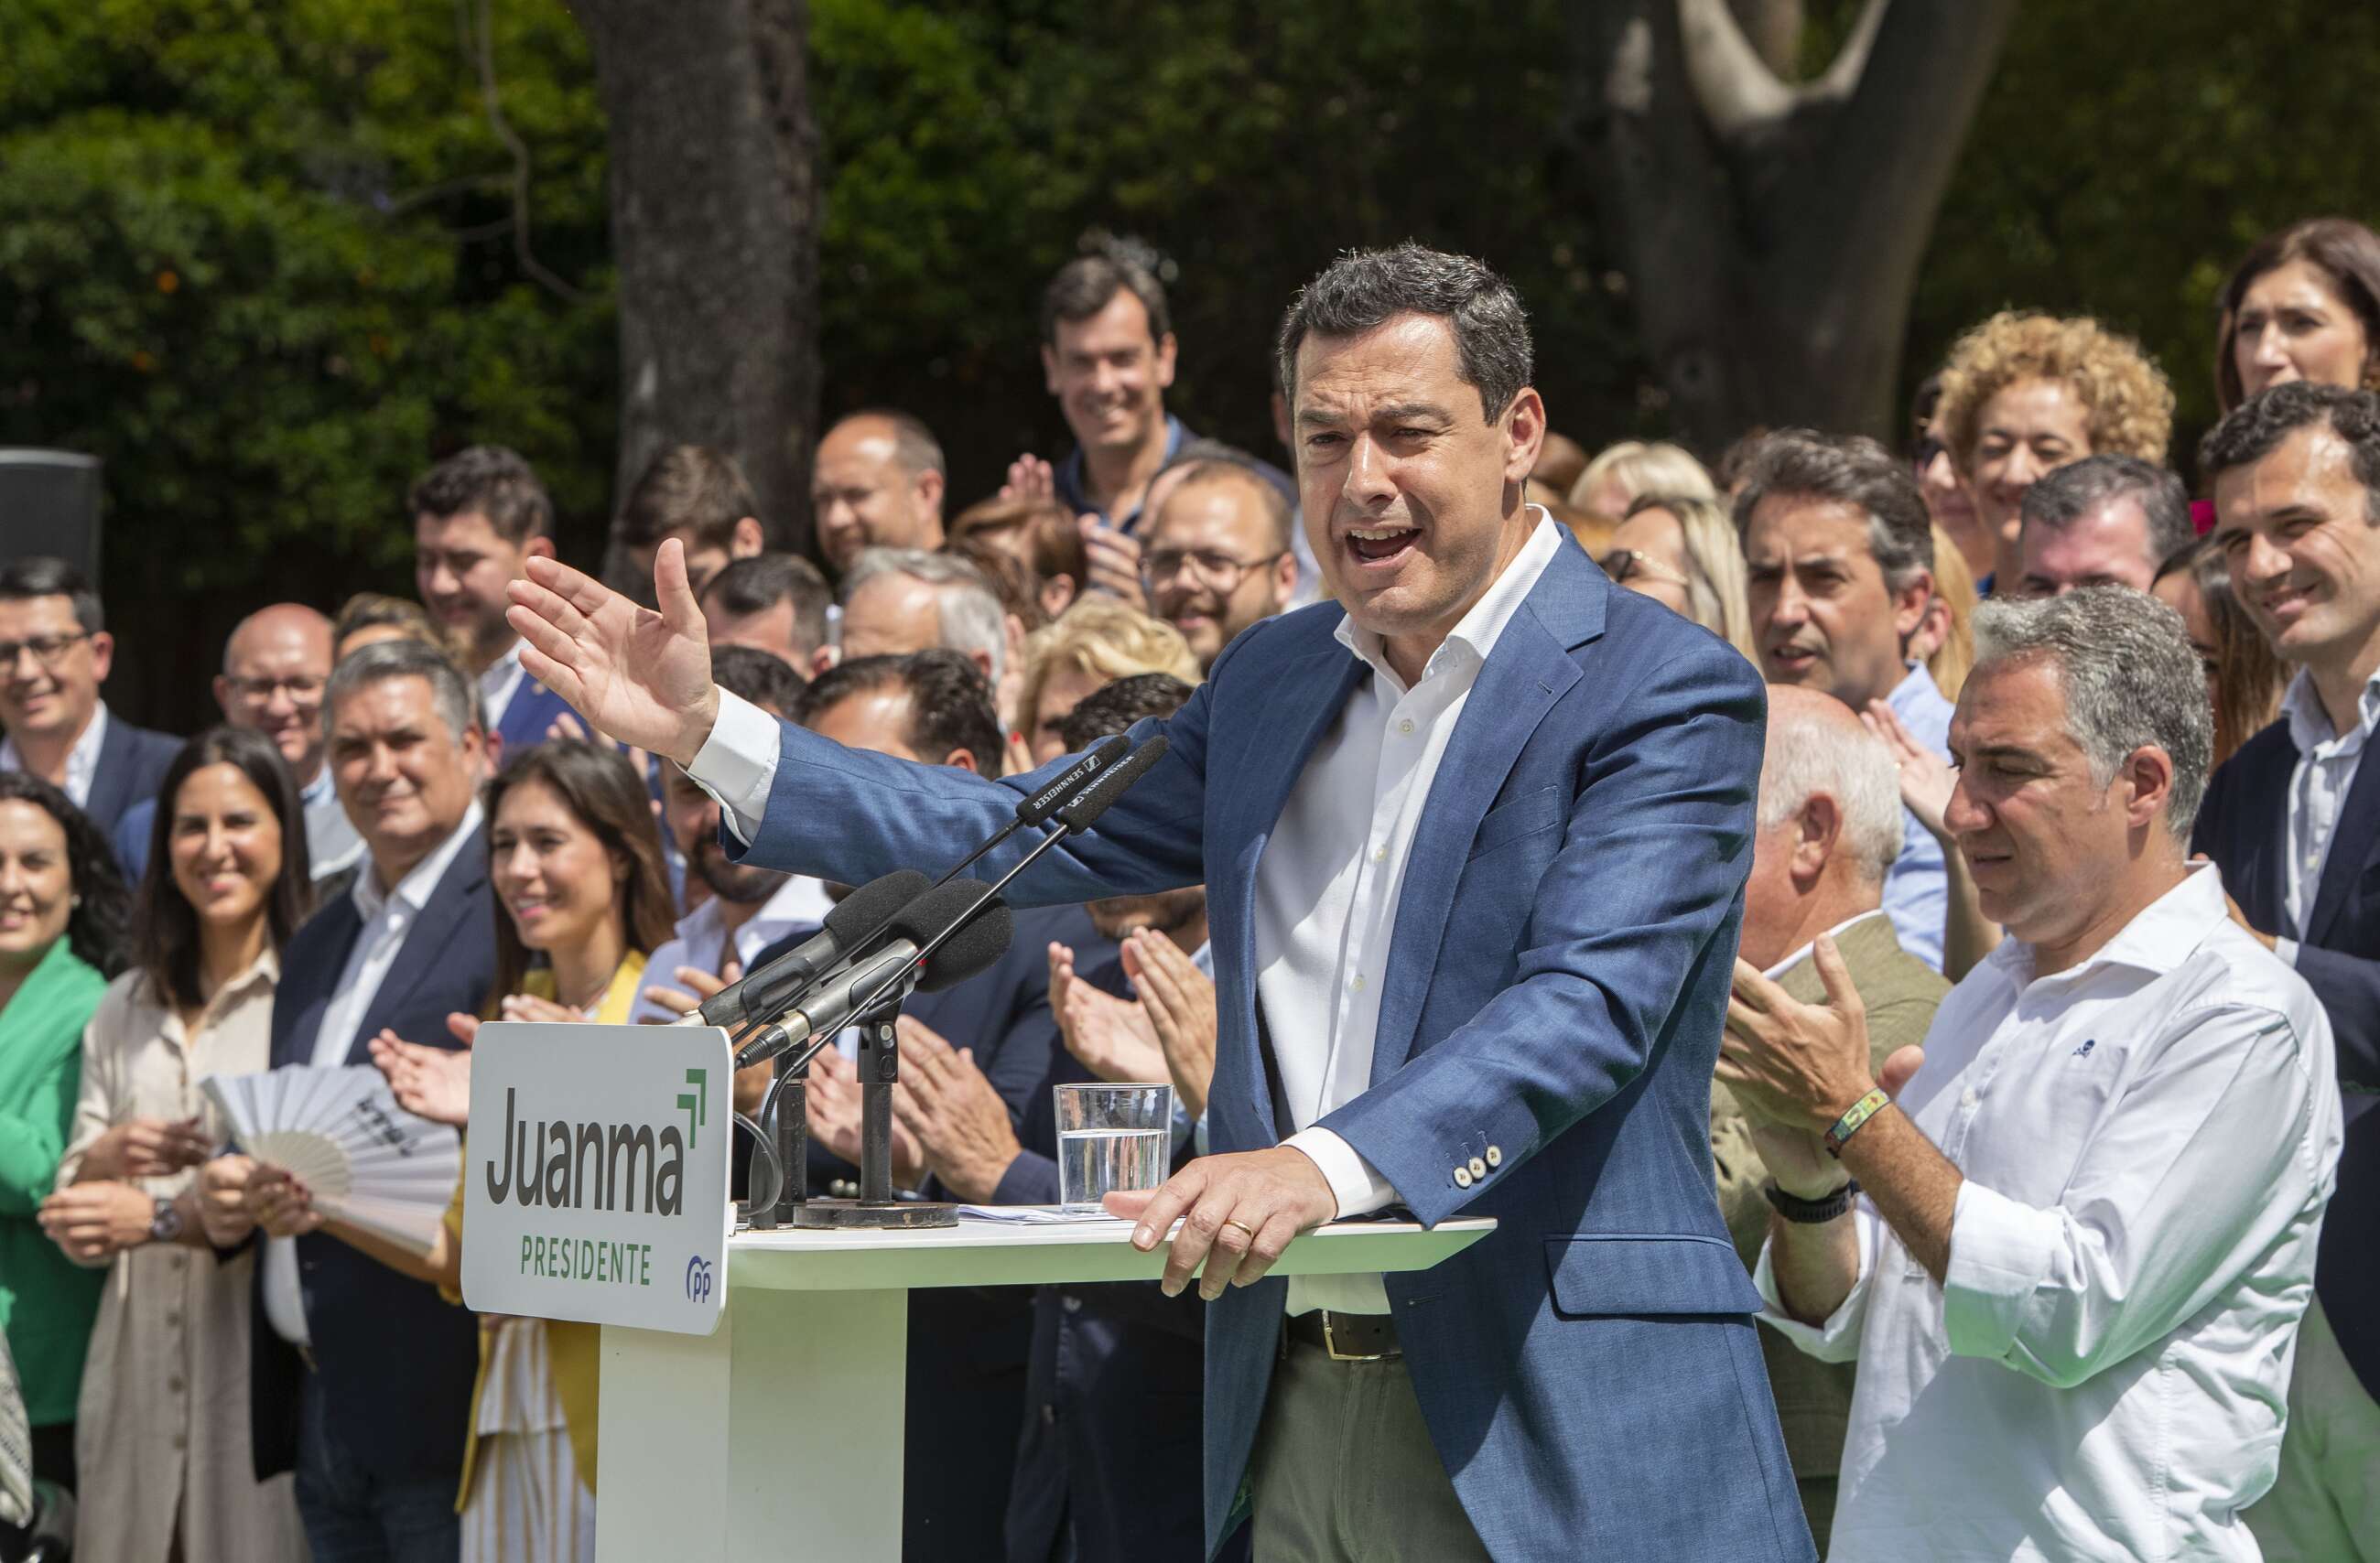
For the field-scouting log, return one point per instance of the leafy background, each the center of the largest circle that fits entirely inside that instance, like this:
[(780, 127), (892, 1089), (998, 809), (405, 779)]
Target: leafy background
[(259, 255)]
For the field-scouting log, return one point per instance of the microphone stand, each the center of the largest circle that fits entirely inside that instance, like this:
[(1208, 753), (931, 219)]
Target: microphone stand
[(877, 1206)]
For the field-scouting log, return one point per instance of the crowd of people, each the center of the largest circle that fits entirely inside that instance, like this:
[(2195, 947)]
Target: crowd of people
[(2062, 844)]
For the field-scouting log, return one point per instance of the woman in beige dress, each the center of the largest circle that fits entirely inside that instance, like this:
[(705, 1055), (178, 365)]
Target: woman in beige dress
[(163, 1428)]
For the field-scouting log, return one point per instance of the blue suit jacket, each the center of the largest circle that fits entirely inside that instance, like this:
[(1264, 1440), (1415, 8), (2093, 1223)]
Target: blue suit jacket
[(132, 763), (397, 1360), (1556, 987), (531, 713), (2243, 826)]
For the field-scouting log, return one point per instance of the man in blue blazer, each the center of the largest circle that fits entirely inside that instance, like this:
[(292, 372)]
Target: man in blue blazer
[(1474, 838), (2293, 819), (361, 1377)]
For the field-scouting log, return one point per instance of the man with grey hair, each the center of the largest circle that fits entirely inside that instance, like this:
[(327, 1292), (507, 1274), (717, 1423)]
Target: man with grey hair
[(1839, 556), (896, 600), (375, 1435), (2106, 520), (1829, 830), (1476, 832), (2072, 1259)]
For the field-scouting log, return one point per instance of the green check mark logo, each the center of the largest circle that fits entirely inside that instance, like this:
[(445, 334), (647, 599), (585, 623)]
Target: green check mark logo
[(696, 1102)]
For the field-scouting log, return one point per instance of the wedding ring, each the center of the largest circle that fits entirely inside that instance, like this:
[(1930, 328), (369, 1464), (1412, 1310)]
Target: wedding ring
[(1243, 1227)]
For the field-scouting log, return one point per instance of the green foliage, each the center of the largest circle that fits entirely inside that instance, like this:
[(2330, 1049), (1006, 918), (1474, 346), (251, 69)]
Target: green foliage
[(258, 254)]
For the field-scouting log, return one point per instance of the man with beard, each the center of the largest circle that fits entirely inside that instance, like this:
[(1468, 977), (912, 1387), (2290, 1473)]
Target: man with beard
[(749, 908)]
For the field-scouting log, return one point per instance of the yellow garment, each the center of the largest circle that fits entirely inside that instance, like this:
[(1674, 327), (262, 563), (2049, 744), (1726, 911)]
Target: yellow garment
[(575, 1349)]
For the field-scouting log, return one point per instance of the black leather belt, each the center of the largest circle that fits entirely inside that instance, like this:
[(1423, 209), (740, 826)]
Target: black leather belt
[(1347, 1338)]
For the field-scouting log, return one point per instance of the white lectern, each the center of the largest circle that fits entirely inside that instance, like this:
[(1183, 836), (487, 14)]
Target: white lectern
[(779, 1436)]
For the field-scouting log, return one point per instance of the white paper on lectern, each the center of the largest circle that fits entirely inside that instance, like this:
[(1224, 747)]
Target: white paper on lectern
[(623, 1133)]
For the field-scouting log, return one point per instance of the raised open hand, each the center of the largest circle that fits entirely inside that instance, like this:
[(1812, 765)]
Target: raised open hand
[(432, 1082), (1180, 1002), (641, 676), (1029, 478), (1925, 778)]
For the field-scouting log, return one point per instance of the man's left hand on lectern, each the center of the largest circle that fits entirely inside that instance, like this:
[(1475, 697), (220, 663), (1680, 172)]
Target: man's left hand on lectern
[(641, 677), (1237, 1213)]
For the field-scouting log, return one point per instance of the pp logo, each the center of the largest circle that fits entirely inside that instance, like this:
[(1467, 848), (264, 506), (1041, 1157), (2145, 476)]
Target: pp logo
[(698, 1279)]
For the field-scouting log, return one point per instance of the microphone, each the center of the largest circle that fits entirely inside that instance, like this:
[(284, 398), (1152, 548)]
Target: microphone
[(853, 924), (945, 937), (1036, 808), (1078, 812)]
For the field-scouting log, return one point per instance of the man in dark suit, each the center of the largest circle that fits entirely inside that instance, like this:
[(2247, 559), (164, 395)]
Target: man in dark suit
[(362, 1378), (55, 653), (1475, 836), (967, 1347), (2293, 819)]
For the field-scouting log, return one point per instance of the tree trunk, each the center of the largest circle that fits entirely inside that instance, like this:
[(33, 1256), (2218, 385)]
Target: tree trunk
[(1771, 233), (714, 229)]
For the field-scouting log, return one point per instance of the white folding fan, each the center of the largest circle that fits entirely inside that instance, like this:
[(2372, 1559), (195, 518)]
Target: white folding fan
[(367, 1161)]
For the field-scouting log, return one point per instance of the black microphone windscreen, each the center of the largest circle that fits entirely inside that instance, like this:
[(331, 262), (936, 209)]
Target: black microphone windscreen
[(870, 907), (971, 950), (923, 918), (1041, 806), (1079, 813)]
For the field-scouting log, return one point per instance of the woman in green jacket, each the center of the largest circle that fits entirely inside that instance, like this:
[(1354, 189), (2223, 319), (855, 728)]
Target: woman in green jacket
[(62, 911)]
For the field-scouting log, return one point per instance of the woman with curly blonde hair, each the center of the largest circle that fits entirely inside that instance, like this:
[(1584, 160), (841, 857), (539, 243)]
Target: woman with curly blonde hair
[(2024, 393)]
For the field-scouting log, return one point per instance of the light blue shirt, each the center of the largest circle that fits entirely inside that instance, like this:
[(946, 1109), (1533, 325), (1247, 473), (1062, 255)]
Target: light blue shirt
[(1917, 890)]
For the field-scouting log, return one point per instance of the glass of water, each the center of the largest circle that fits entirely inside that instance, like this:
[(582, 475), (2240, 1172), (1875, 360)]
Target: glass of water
[(1111, 1138)]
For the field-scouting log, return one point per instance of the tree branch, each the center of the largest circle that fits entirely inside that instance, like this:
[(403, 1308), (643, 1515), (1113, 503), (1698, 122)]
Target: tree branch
[(480, 47), (1741, 97)]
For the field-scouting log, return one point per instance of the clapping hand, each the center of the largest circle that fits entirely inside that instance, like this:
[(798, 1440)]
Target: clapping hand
[(1926, 780), (957, 1119), (835, 1105), (148, 1147), (1112, 561), (1801, 1066), (1179, 1000), (641, 675), (222, 1200), (1029, 478), (434, 1082), (1113, 1037)]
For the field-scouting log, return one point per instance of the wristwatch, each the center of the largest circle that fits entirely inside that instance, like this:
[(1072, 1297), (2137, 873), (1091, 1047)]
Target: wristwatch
[(1812, 1212), (166, 1225)]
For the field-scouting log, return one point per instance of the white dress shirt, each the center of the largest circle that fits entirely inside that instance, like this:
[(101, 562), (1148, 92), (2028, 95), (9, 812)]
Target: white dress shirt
[(498, 686), (1327, 887), (82, 760), (332, 844), (2328, 761), (2148, 1140), (800, 902), (388, 917)]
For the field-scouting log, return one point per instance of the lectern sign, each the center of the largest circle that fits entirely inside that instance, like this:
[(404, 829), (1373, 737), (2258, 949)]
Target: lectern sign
[(595, 1174)]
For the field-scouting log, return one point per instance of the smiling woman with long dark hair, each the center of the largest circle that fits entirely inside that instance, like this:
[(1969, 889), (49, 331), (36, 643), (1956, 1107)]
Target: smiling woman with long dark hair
[(162, 1436), (62, 914)]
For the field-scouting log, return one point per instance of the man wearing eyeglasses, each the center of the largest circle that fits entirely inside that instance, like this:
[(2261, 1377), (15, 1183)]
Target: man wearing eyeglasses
[(1217, 557), (55, 653), (275, 665)]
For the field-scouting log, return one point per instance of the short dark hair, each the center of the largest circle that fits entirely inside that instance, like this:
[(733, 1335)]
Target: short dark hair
[(95, 925), (1113, 708), (498, 483), (950, 701), (2344, 250), (1846, 469), (692, 488), (2254, 428), (1085, 284), (761, 677), (914, 449), (40, 575), (1366, 288), (2061, 498), (760, 583), (165, 925)]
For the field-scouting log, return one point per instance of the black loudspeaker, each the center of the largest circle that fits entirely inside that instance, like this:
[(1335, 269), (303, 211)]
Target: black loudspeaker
[(49, 504)]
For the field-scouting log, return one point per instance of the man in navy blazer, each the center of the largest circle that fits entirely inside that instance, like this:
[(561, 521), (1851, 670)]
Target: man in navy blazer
[(55, 653), (2293, 819), (1474, 839), (362, 1377)]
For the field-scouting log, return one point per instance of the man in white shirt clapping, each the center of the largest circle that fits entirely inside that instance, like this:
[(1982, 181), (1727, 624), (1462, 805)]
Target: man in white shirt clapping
[(2073, 1262)]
